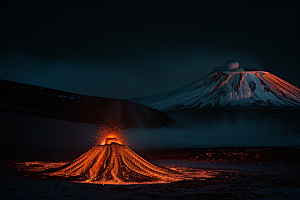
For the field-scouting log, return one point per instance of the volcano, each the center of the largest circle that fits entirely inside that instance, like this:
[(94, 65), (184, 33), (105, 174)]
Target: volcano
[(113, 163), (227, 89)]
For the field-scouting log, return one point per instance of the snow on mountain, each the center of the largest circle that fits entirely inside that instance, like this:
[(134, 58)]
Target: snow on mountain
[(227, 89)]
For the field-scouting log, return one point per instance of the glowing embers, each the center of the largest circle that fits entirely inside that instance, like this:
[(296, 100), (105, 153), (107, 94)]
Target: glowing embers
[(111, 132)]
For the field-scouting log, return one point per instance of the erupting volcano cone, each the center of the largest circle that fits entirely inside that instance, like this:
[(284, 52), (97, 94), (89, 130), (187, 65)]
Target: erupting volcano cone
[(114, 164)]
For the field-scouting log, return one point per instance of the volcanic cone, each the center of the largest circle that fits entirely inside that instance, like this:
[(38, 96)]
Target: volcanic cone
[(114, 164)]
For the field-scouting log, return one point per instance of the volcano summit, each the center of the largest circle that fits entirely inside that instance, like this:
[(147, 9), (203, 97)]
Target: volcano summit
[(226, 89)]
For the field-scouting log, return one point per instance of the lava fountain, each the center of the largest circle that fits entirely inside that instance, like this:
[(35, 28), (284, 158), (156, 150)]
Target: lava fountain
[(112, 162)]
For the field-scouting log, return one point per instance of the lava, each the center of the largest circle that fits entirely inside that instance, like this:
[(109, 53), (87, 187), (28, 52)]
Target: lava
[(240, 82), (111, 139), (282, 87), (112, 162), (221, 83)]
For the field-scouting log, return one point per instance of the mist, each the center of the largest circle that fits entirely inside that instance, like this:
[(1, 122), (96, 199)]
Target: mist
[(241, 130)]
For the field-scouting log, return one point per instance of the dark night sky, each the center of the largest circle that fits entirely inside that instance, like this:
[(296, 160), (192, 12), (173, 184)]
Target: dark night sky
[(126, 49)]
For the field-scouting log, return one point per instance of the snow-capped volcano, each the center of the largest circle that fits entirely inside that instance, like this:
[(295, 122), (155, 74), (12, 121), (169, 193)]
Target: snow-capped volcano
[(227, 89)]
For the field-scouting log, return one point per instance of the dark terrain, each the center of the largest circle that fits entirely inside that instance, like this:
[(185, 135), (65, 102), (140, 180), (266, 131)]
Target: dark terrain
[(241, 173), (56, 104)]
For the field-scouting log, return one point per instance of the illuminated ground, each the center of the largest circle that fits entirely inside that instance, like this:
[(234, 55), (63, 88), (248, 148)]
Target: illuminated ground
[(241, 180)]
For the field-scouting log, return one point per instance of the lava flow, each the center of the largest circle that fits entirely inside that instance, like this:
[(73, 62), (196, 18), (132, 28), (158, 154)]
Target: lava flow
[(112, 162)]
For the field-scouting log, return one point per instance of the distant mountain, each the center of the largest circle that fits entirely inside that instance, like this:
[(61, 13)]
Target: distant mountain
[(55, 104), (227, 89)]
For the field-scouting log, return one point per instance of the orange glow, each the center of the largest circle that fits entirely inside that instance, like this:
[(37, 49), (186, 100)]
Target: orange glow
[(270, 82), (282, 87), (240, 82), (222, 83), (111, 132), (109, 139)]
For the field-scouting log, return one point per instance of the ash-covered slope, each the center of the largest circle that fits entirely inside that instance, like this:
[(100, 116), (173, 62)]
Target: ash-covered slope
[(227, 89)]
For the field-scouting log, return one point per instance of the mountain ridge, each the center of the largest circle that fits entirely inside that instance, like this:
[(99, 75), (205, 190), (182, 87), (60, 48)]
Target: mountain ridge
[(56, 104)]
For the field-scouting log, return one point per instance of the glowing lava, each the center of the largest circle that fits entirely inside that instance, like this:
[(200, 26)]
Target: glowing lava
[(111, 132), (112, 162), (111, 139)]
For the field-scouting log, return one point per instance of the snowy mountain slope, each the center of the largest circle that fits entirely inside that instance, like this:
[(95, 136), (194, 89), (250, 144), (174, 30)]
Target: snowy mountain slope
[(227, 89)]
